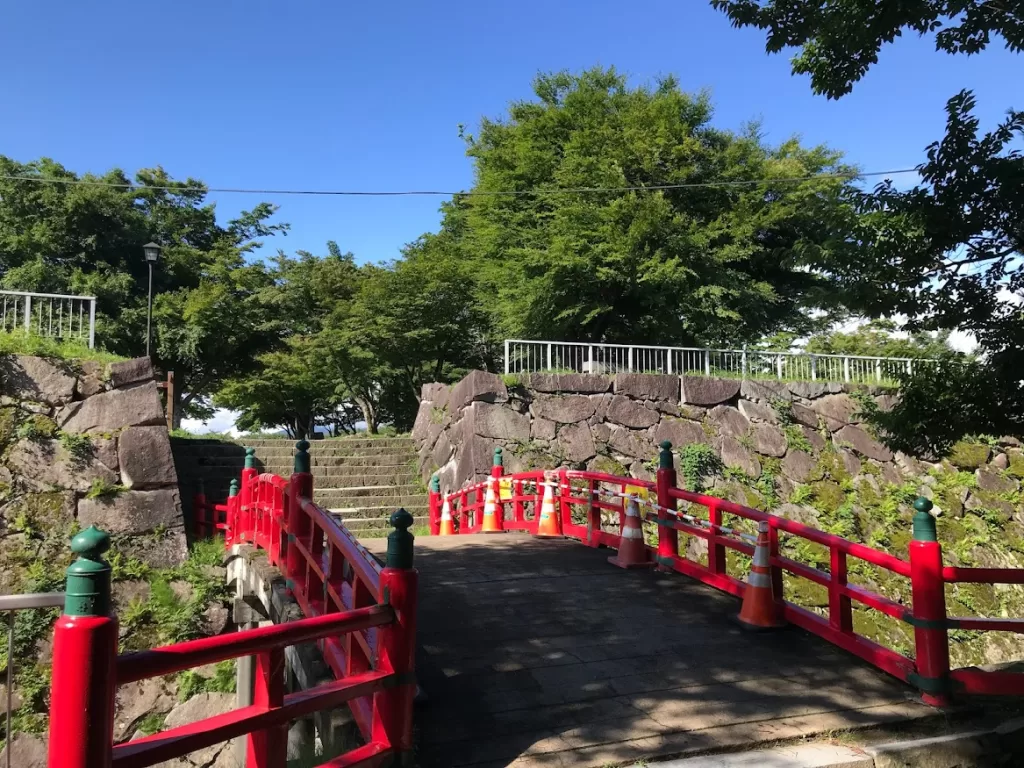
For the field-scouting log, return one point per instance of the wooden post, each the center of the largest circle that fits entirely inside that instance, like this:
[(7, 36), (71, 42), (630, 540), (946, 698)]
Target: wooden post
[(668, 538), (927, 587), (170, 400)]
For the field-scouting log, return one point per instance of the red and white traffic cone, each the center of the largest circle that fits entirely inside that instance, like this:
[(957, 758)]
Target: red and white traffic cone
[(549, 525), (632, 550), (492, 520), (447, 525), (760, 609)]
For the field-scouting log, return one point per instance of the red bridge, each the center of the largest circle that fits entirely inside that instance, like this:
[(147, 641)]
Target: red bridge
[(532, 649)]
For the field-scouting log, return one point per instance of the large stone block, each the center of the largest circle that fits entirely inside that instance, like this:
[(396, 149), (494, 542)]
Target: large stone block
[(837, 410), (678, 432), (442, 450), (631, 413), (145, 457), (804, 415), (701, 390), (728, 421), (477, 385), (112, 411), (500, 422), (132, 512), (36, 378), (648, 386), (565, 409), (583, 383), (45, 464), (769, 440), (130, 372), (808, 390), (423, 420), (576, 443), (630, 443), (542, 429), (765, 391), (435, 394), (758, 411), (799, 466), (736, 456), (863, 443), (91, 381)]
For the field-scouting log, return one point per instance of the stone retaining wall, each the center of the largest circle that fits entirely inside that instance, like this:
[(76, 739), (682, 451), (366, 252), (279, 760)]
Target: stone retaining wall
[(86, 443)]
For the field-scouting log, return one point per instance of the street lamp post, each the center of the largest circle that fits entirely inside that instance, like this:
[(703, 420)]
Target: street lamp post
[(152, 253)]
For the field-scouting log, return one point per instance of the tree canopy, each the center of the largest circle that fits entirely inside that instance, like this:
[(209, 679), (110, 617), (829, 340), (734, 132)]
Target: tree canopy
[(552, 258), (946, 253)]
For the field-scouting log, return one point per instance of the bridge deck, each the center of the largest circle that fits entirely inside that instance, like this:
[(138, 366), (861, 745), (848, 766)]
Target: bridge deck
[(539, 653)]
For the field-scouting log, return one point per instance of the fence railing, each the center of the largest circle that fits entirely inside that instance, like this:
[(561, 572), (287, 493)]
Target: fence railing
[(582, 500), (525, 356), (52, 315), (360, 615), (11, 604)]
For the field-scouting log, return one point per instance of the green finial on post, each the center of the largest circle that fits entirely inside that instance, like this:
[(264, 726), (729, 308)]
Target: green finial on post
[(250, 458), (665, 459), (924, 523), (302, 456), (233, 488), (497, 457), (400, 541), (88, 578), (435, 483)]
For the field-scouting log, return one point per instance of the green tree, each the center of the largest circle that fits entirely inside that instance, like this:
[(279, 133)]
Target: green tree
[(708, 265), (947, 252), (62, 233), (881, 338)]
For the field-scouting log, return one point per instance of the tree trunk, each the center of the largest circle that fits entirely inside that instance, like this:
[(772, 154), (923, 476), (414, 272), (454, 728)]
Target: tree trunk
[(369, 414)]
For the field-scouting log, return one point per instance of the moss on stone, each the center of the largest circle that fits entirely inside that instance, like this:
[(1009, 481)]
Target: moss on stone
[(1016, 467), (967, 455), (608, 466), (8, 426), (37, 427), (828, 496), (830, 466)]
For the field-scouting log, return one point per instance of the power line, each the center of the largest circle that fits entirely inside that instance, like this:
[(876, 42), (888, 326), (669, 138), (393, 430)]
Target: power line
[(439, 193)]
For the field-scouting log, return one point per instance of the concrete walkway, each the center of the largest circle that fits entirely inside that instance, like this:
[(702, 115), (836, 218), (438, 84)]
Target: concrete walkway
[(540, 653)]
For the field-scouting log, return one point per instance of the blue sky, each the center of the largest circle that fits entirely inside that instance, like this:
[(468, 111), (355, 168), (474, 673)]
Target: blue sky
[(332, 95)]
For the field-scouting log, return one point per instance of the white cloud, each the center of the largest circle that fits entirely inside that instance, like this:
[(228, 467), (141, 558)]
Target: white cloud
[(222, 421)]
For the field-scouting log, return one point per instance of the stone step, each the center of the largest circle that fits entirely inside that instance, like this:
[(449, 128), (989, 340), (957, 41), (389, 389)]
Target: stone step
[(315, 445), (375, 512), (342, 499), (377, 524), (285, 464), (284, 452), (330, 476), (365, 491)]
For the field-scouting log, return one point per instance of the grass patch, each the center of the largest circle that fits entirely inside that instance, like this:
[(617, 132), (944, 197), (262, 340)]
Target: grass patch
[(20, 343), (101, 489)]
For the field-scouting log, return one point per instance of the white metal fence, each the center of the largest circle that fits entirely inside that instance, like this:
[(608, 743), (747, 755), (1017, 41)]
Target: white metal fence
[(523, 356), (54, 315)]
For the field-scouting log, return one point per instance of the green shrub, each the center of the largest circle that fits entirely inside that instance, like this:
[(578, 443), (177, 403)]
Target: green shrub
[(37, 427), (78, 447), (101, 489), (697, 461)]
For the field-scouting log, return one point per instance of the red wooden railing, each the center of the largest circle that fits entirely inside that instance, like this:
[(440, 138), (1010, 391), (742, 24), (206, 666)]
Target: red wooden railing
[(362, 617), (927, 669)]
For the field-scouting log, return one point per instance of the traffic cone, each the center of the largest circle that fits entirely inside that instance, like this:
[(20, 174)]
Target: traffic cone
[(632, 551), (549, 524), (447, 526), (492, 520), (760, 610)]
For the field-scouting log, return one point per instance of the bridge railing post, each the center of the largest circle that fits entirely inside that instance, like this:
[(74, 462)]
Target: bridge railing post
[(498, 471), (82, 685), (668, 538), (434, 505), (232, 506), (392, 708), (296, 521), (927, 586), (246, 499), (564, 493)]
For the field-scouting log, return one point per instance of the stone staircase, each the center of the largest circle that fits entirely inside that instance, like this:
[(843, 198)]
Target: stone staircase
[(360, 480)]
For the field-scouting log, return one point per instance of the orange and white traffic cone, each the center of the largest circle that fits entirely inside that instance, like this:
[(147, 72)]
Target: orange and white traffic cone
[(632, 551), (760, 610), (492, 520), (447, 526), (549, 524)]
